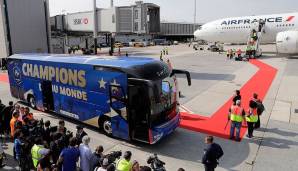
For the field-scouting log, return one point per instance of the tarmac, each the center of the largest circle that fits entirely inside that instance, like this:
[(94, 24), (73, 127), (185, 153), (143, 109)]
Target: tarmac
[(214, 79)]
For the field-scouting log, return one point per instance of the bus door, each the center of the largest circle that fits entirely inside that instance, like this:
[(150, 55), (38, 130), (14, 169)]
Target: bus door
[(47, 95), (119, 118), (138, 109)]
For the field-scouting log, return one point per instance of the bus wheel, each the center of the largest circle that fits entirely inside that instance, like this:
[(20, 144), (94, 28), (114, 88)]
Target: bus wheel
[(106, 125), (32, 102)]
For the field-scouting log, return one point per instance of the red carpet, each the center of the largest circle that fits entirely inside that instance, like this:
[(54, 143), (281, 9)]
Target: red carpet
[(215, 125), (3, 78)]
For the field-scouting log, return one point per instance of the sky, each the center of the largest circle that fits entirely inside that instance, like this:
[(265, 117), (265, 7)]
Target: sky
[(183, 10)]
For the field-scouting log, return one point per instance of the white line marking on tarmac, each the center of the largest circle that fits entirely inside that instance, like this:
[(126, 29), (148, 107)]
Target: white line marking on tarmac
[(186, 109)]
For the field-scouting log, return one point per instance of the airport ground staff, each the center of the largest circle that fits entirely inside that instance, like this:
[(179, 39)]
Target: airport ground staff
[(160, 57), (260, 109), (236, 116), (251, 118), (239, 52), (38, 151), (248, 50), (124, 164)]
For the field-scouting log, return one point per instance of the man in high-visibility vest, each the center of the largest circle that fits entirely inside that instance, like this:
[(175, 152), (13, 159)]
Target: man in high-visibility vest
[(38, 151), (124, 164), (251, 118), (236, 116)]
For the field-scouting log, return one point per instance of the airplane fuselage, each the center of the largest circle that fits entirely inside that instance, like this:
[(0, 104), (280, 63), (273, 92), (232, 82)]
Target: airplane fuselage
[(237, 29)]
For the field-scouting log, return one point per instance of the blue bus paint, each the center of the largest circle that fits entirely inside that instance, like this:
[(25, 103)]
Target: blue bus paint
[(89, 89)]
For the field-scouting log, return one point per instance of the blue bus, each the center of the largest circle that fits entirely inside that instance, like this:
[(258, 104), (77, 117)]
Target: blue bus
[(130, 98)]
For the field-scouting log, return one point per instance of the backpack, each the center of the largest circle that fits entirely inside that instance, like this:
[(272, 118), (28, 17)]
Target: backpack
[(260, 108)]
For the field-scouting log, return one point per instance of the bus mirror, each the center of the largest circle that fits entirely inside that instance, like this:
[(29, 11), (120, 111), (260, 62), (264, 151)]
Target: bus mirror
[(177, 71)]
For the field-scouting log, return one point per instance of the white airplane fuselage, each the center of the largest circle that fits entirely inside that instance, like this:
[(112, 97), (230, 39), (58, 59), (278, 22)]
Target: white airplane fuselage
[(237, 29)]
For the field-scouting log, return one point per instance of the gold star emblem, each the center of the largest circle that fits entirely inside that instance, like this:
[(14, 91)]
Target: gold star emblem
[(102, 83)]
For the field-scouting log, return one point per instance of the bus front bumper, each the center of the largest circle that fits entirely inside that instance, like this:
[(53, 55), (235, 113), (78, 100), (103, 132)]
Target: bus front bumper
[(160, 131)]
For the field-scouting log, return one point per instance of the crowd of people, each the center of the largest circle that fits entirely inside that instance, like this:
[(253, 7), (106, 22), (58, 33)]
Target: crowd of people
[(40, 146)]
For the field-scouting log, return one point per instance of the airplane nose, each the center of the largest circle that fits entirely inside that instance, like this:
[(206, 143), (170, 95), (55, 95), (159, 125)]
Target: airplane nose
[(198, 34)]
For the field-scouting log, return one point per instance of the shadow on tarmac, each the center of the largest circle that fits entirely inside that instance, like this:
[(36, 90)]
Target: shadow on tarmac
[(278, 131), (189, 146), (210, 76)]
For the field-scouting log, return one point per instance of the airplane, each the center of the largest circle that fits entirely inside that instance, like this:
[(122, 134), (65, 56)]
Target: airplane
[(279, 28)]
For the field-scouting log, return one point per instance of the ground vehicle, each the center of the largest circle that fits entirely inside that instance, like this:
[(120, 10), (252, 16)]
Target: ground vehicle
[(118, 45), (138, 44), (175, 43), (213, 48), (129, 98)]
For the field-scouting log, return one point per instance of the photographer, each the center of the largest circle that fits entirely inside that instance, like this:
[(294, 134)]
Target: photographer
[(125, 164), (47, 131), (155, 163), (96, 157)]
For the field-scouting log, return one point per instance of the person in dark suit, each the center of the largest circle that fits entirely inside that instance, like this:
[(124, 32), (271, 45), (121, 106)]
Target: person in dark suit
[(212, 153), (80, 134), (6, 116)]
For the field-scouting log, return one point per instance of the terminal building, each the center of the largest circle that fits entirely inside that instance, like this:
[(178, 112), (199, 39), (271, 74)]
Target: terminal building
[(178, 31), (136, 23)]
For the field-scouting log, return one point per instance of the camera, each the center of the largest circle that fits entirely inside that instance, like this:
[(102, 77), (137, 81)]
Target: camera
[(112, 156), (155, 163)]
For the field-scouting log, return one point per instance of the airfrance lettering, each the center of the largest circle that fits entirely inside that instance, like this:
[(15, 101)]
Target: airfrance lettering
[(249, 21), (64, 76)]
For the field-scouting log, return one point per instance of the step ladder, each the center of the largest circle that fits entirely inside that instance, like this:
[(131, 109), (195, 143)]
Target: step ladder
[(255, 37)]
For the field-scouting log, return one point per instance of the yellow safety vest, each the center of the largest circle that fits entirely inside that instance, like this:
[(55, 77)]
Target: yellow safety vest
[(236, 113), (35, 154), (253, 117), (124, 165)]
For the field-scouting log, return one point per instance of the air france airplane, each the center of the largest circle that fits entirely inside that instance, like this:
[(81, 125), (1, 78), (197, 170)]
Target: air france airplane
[(279, 28)]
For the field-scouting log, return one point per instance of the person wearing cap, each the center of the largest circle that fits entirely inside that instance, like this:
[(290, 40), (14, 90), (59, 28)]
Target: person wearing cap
[(105, 164), (85, 154), (125, 164), (80, 134), (236, 116)]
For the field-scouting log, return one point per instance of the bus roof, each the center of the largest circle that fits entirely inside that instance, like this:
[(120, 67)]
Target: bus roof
[(146, 68), (112, 61)]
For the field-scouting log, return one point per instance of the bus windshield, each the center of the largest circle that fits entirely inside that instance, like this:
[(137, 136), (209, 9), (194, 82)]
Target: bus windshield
[(163, 99)]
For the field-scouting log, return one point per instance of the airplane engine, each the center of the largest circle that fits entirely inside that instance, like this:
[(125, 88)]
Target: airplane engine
[(287, 42)]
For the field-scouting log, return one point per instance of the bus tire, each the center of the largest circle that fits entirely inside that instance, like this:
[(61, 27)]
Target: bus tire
[(31, 101), (105, 124)]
